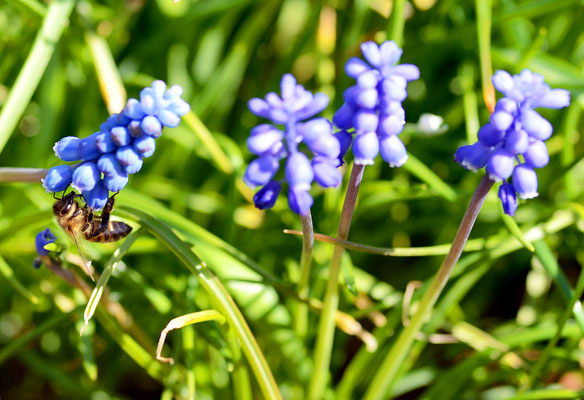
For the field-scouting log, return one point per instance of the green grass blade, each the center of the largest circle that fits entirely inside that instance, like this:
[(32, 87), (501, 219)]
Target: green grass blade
[(515, 230), (8, 273), (397, 22), (425, 174), (106, 274), (55, 21), (220, 298), (483, 10)]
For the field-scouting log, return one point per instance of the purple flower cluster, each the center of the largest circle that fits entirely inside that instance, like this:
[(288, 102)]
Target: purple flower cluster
[(373, 105), (118, 149), (514, 134), (294, 110)]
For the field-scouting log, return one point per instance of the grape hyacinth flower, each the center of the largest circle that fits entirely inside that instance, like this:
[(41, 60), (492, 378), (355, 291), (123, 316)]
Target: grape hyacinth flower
[(294, 110), (118, 148), (373, 105), (42, 239), (512, 143)]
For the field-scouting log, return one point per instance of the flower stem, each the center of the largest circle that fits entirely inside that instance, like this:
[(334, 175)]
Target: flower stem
[(326, 327), (301, 321), (390, 366), (10, 175)]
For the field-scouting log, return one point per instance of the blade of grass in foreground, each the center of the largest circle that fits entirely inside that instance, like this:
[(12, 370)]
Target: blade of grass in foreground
[(425, 174), (56, 19), (219, 296), (9, 275)]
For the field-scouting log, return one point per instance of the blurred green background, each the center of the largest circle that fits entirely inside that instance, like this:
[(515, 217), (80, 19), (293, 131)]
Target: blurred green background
[(498, 312)]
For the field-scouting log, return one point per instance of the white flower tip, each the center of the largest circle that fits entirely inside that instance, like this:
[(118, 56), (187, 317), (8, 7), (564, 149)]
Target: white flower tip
[(399, 162), (529, 195), (364, 161), (495, 178)]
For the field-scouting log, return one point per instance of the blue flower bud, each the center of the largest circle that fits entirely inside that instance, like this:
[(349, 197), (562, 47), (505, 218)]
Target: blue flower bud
[(365, 121), (325, 145), (168, 118), (85, 177), (391, 125), (326, 173), (355, 67), (133, 168), (151, 126), (508, 199), (365, 148), (503, 81), (525, 181), (133, 110), (57, 179), (109, 165), (121, 136), (318, 104), (299, 201), (68, 148), (266, 197), (314, 129), (490, 136), (298, 171), (537, 155), (408, 71), (345, 140), (500, 165), (393, 150), (371, 53), (507, 105), (135, 128), (127, 156), (501, 120), (97, 197), (104, 142), (473, 157), (265, 138), (368, 79), (555, 98), (537, 126), (343, 118), (389, 52), (122, 120), (516, 141), (116, 182), (88, 148), (42, 239), (261, 170), (144, 146)]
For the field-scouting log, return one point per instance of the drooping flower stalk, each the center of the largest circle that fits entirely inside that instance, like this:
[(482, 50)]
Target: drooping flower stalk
[(373, 109)]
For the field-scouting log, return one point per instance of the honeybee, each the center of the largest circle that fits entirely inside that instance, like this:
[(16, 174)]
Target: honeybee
[(75, 219)]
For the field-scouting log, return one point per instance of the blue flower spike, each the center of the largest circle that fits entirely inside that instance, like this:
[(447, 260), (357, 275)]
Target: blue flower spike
[(42, 239), (294, 109), (118, 148), (512, 144), (373, 105)]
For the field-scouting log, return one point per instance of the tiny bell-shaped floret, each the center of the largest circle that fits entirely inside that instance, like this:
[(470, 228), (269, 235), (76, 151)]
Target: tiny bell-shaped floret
[(144, 146), (97, 197), (266, 197), (525, 181), (264, 138), (261, 170), (104, 142), (151, 126), (299, 200), (109, 165), (537, 155), (127, 156), (68, 148), (116, 182), (120, 136), (89, 150), (365, 147), (393, 150), (508, 199), (57, 179), (500, 165), (42, 239), (85, 177), (299, 173), (135, 167), (326, 173)]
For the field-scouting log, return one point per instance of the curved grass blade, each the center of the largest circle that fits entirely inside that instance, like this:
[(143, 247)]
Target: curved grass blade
[(220, 298), (515, 230), (425, 174), (106, 274), (440, 249), (7, 272), (55, 21)]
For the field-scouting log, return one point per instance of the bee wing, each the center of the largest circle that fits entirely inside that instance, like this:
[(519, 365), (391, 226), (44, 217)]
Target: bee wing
[(85, 264)]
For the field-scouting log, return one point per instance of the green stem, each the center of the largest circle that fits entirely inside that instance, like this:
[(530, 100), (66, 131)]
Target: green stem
[(326, 327), (55, 21), (390, 366), (397, 22), (219, 297), (303, 288), (543, 360)]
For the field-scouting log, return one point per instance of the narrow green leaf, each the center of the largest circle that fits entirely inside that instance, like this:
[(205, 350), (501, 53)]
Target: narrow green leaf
[(515, 230), (425, 174), (8, 273), (55, 21), (483, 10)]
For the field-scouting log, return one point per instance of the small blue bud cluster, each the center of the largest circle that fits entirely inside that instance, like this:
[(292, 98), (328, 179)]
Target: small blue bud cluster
[(515, 133), (120, 146), (272, 144), (374, 105), (42, 239)]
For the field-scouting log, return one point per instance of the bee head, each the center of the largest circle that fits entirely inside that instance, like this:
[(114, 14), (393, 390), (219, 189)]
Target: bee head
[(64, 205)]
